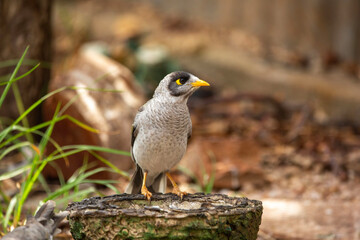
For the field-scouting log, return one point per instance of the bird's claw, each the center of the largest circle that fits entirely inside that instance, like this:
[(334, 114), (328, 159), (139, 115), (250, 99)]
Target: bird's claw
[(146, 193), (178, 192)]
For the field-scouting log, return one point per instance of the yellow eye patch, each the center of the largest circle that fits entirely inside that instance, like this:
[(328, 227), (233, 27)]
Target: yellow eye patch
[(178, 82)]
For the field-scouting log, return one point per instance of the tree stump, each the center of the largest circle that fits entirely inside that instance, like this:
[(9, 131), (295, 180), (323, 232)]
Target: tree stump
[(197, 216)]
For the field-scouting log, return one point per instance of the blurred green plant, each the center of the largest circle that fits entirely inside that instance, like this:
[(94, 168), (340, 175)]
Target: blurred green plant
[(18, 136), (206, 182)]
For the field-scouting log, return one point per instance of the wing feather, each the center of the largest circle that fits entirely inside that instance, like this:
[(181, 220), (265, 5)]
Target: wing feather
[(135, 131)]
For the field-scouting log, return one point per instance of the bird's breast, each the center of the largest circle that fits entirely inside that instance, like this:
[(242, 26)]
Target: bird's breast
[(158, 151), (161, 141)]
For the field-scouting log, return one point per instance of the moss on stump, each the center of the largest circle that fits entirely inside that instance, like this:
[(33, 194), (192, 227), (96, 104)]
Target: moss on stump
[(197, 216)]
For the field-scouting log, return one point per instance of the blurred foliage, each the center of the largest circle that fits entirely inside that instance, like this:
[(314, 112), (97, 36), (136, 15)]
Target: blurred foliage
[(18, 136)]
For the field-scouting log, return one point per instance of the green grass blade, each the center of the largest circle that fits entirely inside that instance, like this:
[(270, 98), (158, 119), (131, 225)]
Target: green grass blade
[(68, 104), (6, 200), (70, 185), (210, 183), (44, 184), (82, 125), (4, 79), (14, 172), (79, 148), (192, 175), (36, 170), (97, 148), (10, 209), (96, 89), (24, 130), (102, 182), (6, 131), (77, 195), (112, 166), (21, 76), (60, 156), (106, 183), (21, 109), (85, 166), (37, 103), (26, 62), (45, 139), (7, 88), (2, 217), (59, 173), (14, 147), (27, 111), (110, 186)]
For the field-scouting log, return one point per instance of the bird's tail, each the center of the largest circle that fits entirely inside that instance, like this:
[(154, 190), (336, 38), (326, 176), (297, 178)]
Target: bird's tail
[(134, 187)]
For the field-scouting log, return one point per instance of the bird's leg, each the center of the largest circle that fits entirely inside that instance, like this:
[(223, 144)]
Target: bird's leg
[(176, 188), (144, 190)]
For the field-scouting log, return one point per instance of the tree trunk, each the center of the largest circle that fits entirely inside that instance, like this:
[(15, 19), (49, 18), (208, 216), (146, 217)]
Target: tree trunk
[(26, 23), (197, 216)]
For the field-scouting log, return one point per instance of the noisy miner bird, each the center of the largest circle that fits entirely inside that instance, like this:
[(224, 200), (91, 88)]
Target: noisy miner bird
[(161, 130)]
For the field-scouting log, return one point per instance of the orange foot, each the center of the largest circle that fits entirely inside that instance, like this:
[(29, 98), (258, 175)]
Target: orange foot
[(177, 191), (146, 193)]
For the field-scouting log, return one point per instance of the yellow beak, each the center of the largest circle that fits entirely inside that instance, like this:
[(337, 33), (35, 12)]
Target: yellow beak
[(200, 83)]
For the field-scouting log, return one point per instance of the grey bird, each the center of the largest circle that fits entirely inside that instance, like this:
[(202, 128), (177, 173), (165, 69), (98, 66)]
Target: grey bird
[(160, 133)]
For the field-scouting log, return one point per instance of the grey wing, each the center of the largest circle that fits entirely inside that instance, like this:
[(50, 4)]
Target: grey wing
[(135, 131)]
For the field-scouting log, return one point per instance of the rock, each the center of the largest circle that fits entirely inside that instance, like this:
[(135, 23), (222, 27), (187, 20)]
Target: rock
[(111, 113), (40, 227)]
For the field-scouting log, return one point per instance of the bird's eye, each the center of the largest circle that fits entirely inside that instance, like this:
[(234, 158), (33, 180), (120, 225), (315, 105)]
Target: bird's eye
[(178, 82), (181, 81)]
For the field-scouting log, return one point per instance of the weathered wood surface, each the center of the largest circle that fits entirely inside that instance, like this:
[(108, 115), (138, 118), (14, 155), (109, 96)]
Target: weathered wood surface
[(197, 216)]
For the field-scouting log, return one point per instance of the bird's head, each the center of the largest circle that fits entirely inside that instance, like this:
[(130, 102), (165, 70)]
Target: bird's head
[(178, 86)]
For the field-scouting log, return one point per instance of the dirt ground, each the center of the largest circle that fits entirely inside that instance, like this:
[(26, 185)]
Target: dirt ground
[(307, 175)]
